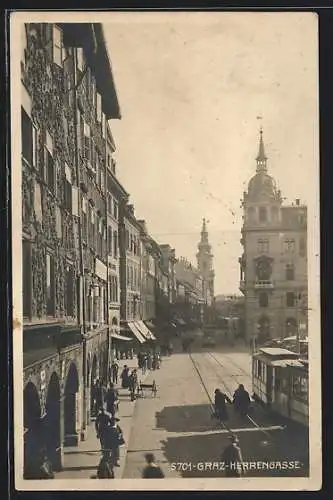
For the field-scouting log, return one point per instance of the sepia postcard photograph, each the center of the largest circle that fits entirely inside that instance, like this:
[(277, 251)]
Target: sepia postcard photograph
[(165, 236)]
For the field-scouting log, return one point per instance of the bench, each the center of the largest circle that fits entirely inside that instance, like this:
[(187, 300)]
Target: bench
[(152, 387)]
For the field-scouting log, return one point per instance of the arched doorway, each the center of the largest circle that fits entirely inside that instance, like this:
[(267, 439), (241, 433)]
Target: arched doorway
[(290, 327), (51, 423), (263, 329), (33, 435), (71, 407), (93, 379)]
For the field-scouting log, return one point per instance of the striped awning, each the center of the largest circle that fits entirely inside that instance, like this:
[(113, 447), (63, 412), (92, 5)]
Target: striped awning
[(134, 329), (147, 333)]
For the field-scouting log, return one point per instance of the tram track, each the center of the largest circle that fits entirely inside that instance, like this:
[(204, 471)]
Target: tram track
[(226, 387), (232, 362)]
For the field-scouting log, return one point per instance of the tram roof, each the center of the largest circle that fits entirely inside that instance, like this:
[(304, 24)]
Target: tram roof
[(276, 351)]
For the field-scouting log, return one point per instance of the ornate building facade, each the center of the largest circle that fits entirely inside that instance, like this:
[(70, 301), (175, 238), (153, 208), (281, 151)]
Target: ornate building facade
[(67, 97), (274, 262)]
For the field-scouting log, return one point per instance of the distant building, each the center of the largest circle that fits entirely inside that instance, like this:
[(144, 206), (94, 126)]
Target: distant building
[(274, 262)]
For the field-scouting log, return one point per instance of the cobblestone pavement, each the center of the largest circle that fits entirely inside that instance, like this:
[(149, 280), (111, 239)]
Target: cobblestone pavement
[(177, 425)]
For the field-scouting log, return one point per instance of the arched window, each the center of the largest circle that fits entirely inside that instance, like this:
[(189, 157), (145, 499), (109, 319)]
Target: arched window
[(262, 214), (263, 299), (290, 272)]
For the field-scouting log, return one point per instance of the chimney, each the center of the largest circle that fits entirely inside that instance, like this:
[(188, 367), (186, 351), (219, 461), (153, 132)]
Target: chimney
[(297, 202)]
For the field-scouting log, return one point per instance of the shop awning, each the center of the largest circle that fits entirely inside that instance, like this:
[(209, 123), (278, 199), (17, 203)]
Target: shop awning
[(142, 330), (134, 329), (148, 334), (116, 336)]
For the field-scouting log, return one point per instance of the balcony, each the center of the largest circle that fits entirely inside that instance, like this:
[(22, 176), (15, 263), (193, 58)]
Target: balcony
[(263, 284), (242, 286)]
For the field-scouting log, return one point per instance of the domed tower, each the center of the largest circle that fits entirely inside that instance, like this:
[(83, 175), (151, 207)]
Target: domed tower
[(260, 239), (205, 259)]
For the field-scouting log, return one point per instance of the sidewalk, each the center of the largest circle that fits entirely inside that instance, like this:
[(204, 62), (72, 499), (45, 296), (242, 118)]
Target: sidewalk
[(82, 461)]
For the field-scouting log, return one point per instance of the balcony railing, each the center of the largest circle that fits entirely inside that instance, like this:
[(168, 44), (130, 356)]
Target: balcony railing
[(242, 285), (262, 284)]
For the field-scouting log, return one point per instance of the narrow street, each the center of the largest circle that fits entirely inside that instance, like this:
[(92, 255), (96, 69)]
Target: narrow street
[(177, 426)]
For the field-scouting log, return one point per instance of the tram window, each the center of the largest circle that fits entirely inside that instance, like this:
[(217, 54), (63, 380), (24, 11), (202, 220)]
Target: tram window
[(284, 385), (300, 387), (263, 372), (277, 380), (259, 369)]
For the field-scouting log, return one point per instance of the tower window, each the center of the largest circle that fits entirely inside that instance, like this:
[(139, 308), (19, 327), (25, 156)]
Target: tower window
[(263, 246), (289, 246), (290, 272), (262, 214), (290, 299), (263, 299), (302, 247)]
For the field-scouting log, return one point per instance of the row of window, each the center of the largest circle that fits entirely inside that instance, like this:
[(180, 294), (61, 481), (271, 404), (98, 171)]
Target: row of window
[(113, 289), (264, 212), (113, 207), (291, 299), (132, 308), (132, 243), (289, 246), (133, 277)]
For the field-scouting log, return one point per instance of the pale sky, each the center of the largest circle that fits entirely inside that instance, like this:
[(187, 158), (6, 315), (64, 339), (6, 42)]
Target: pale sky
[(190, 87)]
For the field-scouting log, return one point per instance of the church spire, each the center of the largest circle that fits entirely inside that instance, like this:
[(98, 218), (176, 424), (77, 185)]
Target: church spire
[(261, 158)]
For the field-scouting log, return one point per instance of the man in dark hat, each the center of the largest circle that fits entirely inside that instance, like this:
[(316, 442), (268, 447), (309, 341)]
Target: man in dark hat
[(232, 457), (152, 470)]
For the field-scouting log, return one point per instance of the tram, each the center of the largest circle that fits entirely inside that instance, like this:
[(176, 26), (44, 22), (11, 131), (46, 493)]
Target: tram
[(280, 383)]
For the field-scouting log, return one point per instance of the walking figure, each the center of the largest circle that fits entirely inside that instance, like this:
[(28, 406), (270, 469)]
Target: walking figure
[(112, 400), (220, 405), (125, 377), (232, 457), (242, 401), (102, 422), (114, 372)]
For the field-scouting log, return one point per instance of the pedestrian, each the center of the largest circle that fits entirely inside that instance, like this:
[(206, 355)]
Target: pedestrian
[(125, 377), (112, 400), (241, 401), (220, 405), (105, 468), (102, 422), (152, 470), (232, 458), (114, 372), (133, 384), (114, 439)]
